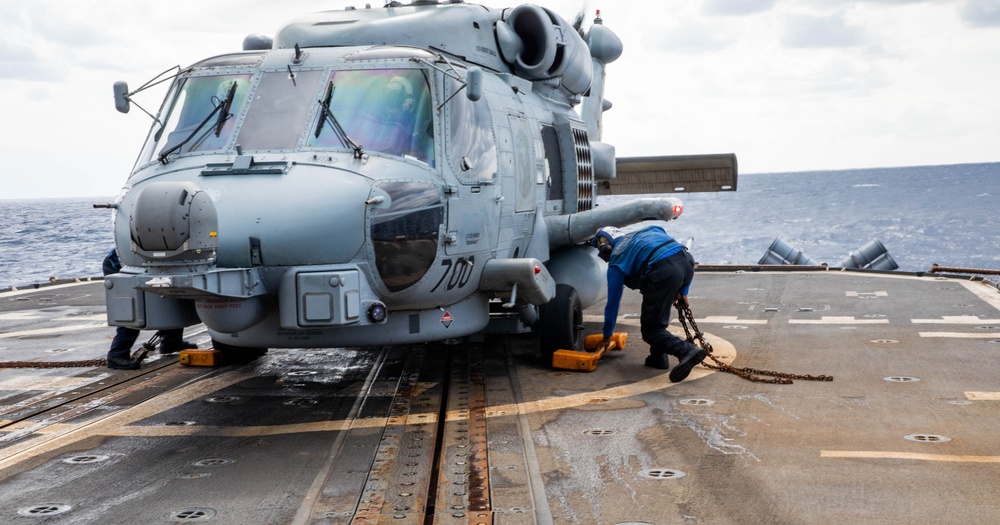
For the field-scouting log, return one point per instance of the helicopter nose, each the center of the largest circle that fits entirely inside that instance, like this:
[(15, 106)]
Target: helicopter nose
[(174, 221), (311, 216)]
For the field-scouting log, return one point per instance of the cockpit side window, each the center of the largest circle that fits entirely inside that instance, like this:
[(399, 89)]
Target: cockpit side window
[(405, 234), (279, 110), (473, 147), (201, 116), (383, 110)]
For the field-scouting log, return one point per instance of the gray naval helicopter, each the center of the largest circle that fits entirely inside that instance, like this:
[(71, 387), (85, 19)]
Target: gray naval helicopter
[(381, 176)]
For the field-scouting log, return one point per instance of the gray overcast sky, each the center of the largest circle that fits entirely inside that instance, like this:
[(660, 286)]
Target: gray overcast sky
[(787, 85)]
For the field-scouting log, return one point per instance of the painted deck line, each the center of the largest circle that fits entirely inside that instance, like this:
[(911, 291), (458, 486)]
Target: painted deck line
[(956, 319), (633, 319), (987, 293), (838, 320), (867, 294), (23, 291), (961, 335), (730, 319), (875, 454), (982, 396), (53, 330)]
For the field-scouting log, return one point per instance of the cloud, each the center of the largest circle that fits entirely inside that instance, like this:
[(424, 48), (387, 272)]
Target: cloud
[(68, 25), (40, 42), (981, 13), (690, 38), (19, 60), (23, 62), (26, 70), (807, 31), (735, 7), (841, 3)]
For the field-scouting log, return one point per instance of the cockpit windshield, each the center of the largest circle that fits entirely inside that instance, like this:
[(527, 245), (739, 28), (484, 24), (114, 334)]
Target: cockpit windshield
[(201, 116), (383, 110), (279, 110), (379, 110)]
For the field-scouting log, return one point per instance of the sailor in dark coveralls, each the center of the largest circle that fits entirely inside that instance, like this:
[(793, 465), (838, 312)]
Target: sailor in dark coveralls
[(119, 356), (661, 269)]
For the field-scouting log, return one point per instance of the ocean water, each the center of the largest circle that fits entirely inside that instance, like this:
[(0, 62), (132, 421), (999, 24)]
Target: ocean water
[(45, 238), (949, 215)]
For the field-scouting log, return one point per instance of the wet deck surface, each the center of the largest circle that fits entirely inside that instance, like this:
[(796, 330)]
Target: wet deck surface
[(486, 433)]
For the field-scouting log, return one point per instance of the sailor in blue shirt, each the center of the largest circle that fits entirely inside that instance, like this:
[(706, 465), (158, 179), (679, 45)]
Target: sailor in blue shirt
[(651, 261)]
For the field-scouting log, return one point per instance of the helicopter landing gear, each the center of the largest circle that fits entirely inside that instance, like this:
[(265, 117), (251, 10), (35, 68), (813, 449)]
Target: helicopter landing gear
[(560, 323), (237, 355)]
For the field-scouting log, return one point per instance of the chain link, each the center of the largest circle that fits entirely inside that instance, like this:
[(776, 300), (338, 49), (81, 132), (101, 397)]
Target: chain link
[(750, 374), (55, 364), (146, 347), (953, 269)]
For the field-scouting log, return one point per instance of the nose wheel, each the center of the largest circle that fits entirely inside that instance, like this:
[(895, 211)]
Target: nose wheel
[(560, 322), (236, 355)]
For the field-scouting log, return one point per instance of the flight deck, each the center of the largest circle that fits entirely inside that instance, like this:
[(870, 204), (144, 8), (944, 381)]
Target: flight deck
[(485, 432)]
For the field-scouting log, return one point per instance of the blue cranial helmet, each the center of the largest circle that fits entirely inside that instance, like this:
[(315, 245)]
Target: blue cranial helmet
[(610, 236), (610, 233)]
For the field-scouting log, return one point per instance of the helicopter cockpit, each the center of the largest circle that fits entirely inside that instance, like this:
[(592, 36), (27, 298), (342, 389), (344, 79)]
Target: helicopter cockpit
[(282, 110), (385, 111)]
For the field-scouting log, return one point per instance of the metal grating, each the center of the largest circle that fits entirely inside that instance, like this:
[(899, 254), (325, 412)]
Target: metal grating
[(696, 402), (661, 473), (193, 514), (43, 510), (85, 459), (212, 462), (584, 171), (927, 438)]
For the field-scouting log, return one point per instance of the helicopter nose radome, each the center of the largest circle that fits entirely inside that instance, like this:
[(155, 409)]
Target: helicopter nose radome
[(174, 222), (231, 314)]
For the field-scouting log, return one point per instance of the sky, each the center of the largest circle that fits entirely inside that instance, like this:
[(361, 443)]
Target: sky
[(787, 85)]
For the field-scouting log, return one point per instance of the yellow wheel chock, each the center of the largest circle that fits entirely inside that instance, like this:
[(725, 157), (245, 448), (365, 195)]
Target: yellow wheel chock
[(196, 357), (587, 361)]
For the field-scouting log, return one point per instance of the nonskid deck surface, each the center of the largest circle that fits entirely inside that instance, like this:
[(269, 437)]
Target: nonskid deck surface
[(486, 433)]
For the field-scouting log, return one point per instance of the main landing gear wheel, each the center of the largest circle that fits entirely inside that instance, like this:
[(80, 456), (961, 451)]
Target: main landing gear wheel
[(560, 322), (237, 355)]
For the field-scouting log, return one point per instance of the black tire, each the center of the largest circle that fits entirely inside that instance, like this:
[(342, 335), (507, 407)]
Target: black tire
[(560, 322), (237, 355)]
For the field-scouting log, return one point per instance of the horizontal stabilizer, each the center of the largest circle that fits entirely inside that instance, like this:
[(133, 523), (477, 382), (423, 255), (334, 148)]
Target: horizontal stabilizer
[(672, 174)]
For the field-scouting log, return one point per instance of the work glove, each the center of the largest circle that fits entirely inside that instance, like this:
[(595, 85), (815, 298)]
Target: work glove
[(683, 300)]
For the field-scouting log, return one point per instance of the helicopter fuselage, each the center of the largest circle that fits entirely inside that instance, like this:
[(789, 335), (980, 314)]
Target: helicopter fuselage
[(314, 195)]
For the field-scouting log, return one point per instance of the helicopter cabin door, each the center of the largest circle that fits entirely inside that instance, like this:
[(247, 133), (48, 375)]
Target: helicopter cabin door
[(526, 170), (522, 165), (474, 206)]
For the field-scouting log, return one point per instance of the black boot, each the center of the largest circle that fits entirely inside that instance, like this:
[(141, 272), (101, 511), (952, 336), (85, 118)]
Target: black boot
[(658, 361), (173, 349), (688, 360), (122, 363)]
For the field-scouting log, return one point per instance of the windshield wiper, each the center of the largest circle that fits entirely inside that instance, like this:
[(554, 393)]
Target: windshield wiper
[(326, 114), (226, 105), (222, 109)]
